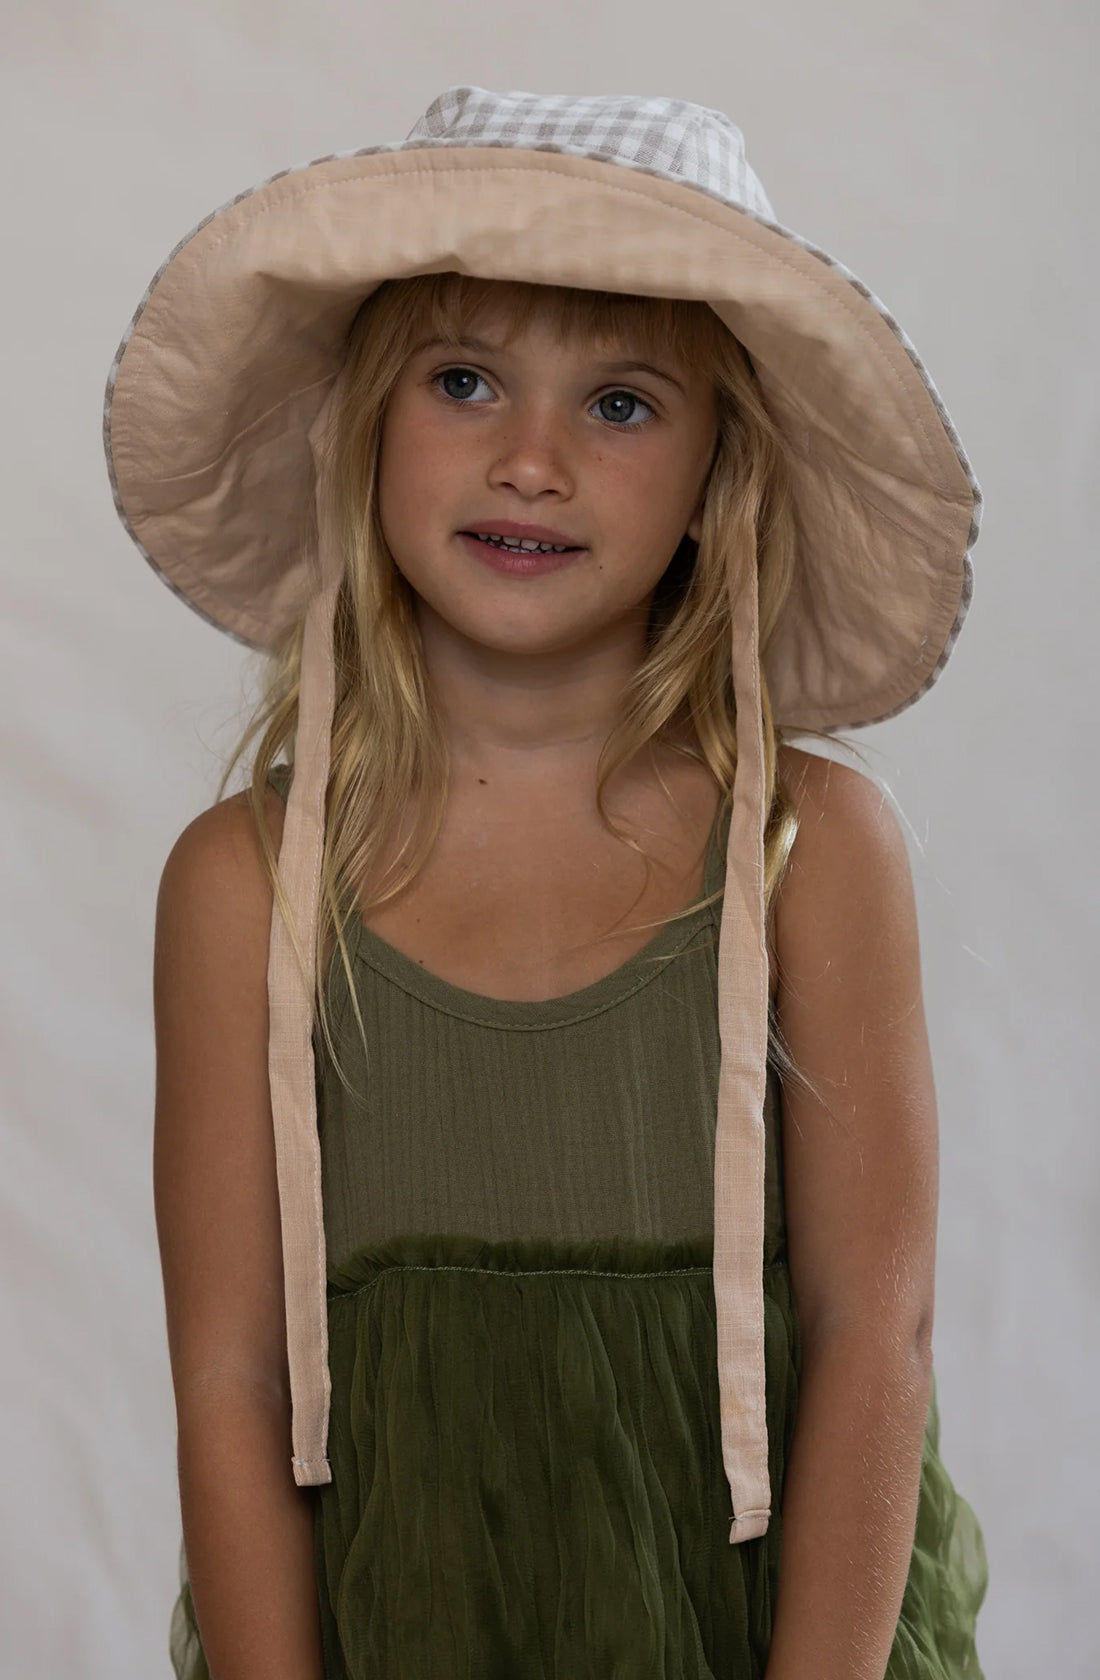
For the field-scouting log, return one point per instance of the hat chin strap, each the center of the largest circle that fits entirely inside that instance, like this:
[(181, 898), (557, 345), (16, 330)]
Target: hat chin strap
[(742, 1082), (290, 1006), (742, 1019)]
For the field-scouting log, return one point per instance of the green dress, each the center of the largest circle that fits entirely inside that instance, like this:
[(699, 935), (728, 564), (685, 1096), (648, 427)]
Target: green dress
[(524, 1429)]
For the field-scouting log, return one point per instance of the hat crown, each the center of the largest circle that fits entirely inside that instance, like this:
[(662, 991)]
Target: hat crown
[(673, 138)]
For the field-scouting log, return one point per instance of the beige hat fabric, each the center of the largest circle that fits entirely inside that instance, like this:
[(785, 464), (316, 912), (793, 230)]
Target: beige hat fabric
[(213, 429)]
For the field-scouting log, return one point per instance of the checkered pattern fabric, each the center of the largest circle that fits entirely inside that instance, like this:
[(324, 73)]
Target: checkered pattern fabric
[(668, 137)]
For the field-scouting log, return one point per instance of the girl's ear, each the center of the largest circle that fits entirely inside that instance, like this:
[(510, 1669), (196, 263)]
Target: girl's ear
[(695, 529)]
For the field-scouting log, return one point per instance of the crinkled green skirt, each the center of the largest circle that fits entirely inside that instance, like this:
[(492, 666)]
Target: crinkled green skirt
[(528, 1479)]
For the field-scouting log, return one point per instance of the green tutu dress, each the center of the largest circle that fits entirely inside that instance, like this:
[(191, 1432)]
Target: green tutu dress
[(524, 1430)]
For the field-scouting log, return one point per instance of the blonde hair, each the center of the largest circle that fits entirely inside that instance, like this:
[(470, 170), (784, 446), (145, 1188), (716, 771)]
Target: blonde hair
[(386, 738)]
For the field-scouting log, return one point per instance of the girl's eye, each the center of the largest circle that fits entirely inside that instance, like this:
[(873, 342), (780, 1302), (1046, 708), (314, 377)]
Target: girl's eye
[(466, 379), (626, 396), (457, 374)]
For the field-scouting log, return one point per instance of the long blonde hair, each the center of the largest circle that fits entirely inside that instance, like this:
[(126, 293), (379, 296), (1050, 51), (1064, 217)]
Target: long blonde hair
[(386, 738)]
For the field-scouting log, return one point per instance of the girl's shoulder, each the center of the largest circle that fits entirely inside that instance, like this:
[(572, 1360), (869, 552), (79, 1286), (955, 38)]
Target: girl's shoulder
[(848, 883), (833, 801), (214, 877)]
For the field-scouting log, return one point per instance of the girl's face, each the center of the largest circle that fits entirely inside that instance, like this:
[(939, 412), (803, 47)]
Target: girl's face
[(610, 456)]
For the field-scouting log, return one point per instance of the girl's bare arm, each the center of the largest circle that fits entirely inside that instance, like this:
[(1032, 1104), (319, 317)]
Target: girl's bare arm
[(247, 1526), (861, 1196)]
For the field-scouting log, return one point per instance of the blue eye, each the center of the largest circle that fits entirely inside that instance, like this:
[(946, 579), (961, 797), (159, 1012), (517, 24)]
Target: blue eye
[(617, 396), (461, 373), (471, 379)]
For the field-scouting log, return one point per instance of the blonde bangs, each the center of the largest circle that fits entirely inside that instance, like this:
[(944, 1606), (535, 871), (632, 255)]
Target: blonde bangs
[(448, 306)]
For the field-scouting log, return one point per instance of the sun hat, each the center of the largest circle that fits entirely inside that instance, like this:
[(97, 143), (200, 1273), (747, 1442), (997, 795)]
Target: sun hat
[(214, 427)]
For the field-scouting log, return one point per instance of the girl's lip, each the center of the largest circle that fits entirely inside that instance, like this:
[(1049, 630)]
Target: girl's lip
[(529, 563), (512, 528)]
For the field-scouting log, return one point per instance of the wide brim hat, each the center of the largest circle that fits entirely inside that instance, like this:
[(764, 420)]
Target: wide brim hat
[(213, 425)]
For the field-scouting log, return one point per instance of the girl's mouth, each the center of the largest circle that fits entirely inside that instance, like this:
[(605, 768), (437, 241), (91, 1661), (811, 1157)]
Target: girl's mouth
[(519, 562)]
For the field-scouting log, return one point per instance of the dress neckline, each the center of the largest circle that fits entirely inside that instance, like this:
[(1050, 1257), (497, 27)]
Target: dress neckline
[(630, 976)]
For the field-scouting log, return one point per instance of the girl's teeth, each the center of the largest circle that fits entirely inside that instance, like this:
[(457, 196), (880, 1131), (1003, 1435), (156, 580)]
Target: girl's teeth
[(527, 545)]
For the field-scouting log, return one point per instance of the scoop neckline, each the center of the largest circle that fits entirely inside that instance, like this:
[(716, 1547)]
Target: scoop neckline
[(627, 978)]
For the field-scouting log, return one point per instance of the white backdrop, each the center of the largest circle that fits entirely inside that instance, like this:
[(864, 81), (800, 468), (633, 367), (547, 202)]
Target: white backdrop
[(947, 153)]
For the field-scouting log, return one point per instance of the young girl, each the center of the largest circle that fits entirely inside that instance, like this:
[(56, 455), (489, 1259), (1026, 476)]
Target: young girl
[(546, 1160)]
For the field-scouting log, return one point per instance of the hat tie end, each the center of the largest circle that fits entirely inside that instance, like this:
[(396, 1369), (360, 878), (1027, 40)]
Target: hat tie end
[(750, 1525), (311, 1472)]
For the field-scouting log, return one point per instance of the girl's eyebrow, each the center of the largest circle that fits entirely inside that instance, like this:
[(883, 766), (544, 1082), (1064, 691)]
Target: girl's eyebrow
[(467, 342)]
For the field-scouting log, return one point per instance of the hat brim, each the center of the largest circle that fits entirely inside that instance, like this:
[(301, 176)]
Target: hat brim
[(243, 329)]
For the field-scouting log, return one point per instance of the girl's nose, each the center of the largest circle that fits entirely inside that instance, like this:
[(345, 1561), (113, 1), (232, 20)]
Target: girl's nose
[(532, 456)]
